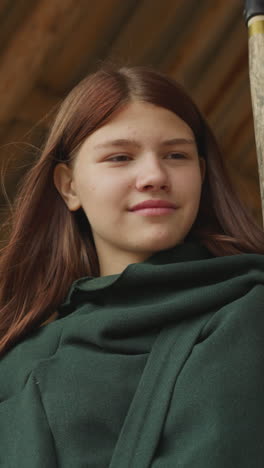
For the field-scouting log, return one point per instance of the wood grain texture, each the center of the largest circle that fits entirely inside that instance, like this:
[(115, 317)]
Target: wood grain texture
[(22, 59), (256, 60)]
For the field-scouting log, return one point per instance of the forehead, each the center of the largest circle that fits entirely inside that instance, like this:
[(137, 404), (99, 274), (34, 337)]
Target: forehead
[(142, 120)]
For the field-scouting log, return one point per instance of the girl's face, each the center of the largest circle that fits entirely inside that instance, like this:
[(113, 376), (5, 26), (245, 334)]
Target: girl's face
[(144, 153)]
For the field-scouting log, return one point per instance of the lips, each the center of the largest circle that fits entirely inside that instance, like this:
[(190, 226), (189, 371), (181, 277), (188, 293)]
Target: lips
[(152, 204)]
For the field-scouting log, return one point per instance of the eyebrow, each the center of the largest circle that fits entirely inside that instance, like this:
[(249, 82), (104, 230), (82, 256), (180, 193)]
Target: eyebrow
[(122, 142)]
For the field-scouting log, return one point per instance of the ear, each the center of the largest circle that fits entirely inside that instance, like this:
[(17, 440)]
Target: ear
[(63, 180), (202, 167)]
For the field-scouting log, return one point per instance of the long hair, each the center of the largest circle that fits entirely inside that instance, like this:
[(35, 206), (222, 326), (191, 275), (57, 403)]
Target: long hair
[(50, 246)]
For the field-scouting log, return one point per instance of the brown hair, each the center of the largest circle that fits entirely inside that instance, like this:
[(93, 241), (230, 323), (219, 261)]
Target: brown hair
[(50, 246)]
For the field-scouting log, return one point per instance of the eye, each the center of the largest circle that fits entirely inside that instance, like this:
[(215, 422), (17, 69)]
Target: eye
[(177, 155), (118, 158), (124, 157)]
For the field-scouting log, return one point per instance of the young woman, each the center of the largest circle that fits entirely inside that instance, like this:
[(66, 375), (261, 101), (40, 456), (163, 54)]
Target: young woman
[(131, 292)]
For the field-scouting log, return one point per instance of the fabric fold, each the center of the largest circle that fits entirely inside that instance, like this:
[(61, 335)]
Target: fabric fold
[(160, 365)]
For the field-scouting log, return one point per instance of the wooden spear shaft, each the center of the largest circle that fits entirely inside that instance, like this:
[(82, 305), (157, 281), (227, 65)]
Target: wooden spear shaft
[(254, 17)]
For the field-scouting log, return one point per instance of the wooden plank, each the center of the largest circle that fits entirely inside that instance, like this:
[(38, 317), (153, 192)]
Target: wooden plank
[(247, 187), (234, 75), (17, 152), (12, 15), (244, 159), (40, 104), (148, 28), (227, 108), (221, 66), (240, 133), (88, 42), (22, 60), (193, 46)]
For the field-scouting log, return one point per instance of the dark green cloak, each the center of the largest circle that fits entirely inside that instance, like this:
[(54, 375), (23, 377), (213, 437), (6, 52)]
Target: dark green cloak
[(161, 366)]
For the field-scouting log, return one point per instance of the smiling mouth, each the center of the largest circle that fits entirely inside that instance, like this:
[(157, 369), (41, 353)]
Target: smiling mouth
[(155, 211)]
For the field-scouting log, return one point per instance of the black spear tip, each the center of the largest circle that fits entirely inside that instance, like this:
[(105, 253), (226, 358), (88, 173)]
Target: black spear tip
[(253, 8)]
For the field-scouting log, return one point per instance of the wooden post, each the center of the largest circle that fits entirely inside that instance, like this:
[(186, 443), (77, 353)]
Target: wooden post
[(254, 17)]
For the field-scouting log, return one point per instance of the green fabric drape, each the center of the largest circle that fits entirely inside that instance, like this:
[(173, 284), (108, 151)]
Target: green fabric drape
[(160, 366)]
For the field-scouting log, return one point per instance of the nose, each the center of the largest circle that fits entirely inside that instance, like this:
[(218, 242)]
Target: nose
[(152, 176)]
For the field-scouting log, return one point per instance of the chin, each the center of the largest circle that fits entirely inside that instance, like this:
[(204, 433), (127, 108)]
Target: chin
[(161, 244)]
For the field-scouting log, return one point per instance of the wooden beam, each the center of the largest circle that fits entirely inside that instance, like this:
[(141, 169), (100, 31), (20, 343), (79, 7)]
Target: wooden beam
[(194, 45), (221, 65), (88, 42), (248, 189), (16, 153), (40, 103), (234, 74), (22, 60), (146, 29), (12, 15), (229, 107)]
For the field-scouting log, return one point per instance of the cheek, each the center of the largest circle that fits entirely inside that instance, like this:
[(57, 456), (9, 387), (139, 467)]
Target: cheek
[(188, 185), (98, 191)]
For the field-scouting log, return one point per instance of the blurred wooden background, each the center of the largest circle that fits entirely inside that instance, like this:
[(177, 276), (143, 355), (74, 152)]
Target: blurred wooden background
[(47, 46)]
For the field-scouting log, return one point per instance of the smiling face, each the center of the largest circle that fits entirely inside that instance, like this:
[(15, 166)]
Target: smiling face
[(144, 153)]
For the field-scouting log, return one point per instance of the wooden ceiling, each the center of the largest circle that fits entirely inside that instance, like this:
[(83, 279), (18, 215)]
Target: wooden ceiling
[(47, 46)]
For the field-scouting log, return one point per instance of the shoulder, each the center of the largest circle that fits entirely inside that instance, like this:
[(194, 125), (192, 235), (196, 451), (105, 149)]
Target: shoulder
[(215, 409), (17, 364), (230, 349), (224, 371), (241, 318)]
